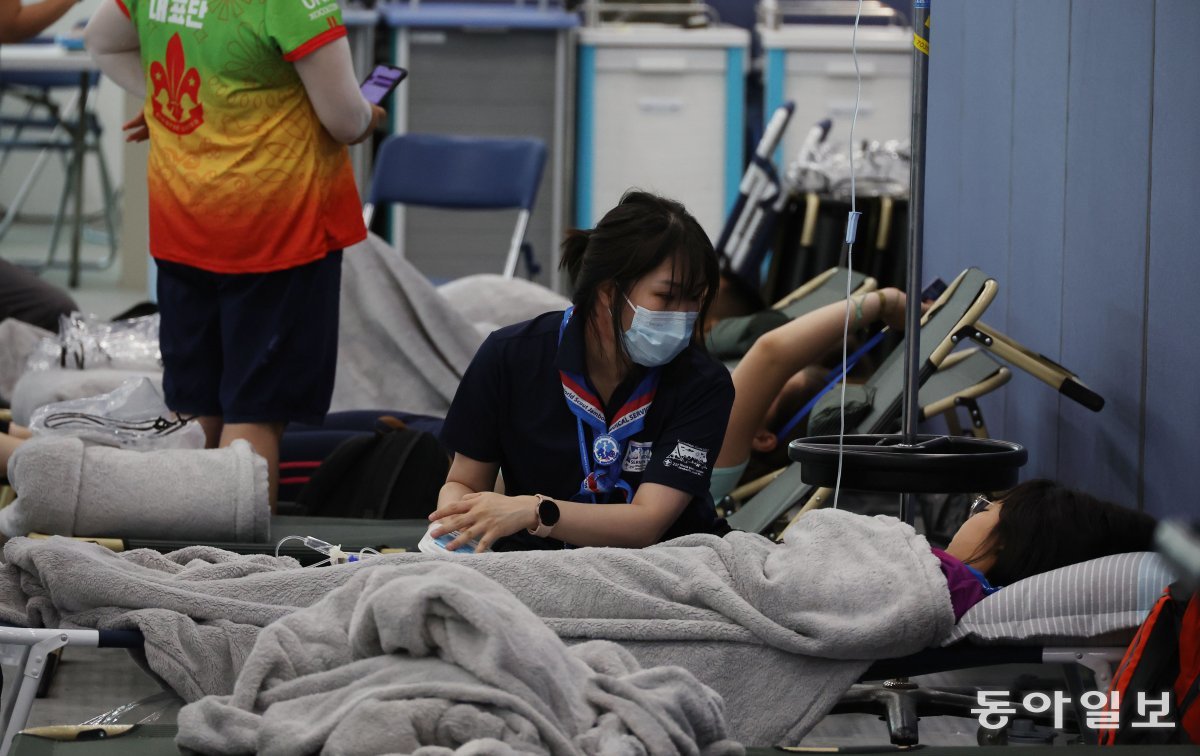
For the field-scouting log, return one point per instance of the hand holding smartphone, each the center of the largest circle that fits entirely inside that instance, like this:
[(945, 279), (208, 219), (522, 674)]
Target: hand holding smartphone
[(380, 83)]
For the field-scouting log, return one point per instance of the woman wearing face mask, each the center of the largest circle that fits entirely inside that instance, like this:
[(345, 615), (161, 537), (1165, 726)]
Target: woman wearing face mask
[(604, 421)]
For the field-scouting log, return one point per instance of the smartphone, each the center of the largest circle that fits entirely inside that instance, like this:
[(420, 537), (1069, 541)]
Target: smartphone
[(381, 82), (430, 545), (933, 290)]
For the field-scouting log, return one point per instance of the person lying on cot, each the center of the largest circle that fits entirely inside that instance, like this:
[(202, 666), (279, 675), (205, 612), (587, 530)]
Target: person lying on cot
[(1036, 527), (774, 375), (613, 401)]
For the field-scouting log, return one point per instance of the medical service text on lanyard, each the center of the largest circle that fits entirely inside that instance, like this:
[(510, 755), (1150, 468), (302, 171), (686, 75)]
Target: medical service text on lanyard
[(608, 442)]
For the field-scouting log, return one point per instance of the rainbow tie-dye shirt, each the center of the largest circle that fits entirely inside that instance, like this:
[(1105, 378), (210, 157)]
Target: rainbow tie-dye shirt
[(243, 178)]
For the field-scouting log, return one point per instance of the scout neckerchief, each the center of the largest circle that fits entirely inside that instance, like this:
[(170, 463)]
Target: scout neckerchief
[(608, 441)]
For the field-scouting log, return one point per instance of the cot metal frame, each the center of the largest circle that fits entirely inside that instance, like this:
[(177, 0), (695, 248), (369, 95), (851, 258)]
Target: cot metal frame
[(29, 651)]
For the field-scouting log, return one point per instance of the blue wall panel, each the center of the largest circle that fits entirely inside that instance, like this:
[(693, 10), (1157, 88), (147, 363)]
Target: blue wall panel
[(1033, 281), (1110, 84), (1095, 244), (986, 141), (1172, 453), (944, 169), (986, 145)]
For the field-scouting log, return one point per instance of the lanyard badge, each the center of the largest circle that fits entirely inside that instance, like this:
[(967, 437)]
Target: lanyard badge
[(608, 443)]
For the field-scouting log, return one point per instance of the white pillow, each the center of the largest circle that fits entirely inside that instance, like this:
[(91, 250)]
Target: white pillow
[(1100, 602)]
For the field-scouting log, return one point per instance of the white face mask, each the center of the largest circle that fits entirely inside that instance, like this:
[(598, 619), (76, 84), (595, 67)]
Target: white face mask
[(655, 337)]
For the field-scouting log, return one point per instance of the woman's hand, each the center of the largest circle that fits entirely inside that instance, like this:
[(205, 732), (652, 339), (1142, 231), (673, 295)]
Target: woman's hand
[(136, 129), (485, 517), (378, 115)]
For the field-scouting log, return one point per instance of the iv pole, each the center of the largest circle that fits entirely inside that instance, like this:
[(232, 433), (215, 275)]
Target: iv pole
[(911, 407), (909, 462)]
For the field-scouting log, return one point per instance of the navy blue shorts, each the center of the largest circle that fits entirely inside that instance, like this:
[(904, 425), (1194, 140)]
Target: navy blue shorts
[(250, 347)]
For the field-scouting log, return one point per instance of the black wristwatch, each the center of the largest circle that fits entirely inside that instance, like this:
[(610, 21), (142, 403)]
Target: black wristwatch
[(547, 516)]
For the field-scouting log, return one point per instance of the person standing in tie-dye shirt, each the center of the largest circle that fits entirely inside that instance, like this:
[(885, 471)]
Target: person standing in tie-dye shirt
[(248, 107)]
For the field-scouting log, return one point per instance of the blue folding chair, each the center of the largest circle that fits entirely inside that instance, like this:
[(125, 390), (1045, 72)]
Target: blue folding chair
[(53, 130), (462, 173)]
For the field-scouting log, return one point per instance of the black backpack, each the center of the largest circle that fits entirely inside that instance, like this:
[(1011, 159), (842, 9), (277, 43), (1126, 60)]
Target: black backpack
[(392, 474)]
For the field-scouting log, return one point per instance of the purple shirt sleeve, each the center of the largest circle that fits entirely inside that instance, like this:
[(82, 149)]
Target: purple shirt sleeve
[(965, 589)]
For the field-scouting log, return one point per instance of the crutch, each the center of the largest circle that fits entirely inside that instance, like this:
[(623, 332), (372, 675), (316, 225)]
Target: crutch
[(760, 186)]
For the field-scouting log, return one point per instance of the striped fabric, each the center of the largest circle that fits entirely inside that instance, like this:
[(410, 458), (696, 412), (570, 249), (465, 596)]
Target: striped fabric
[(1100, 602)]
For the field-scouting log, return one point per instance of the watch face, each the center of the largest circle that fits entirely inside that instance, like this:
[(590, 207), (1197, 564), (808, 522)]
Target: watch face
[(548, 512)]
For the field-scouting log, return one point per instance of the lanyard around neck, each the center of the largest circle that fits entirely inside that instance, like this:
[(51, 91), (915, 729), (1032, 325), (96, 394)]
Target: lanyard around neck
[(608, 440)]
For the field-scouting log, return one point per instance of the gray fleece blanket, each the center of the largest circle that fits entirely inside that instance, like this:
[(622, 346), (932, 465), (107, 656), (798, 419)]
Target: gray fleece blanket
[(428, 657), (491, 301), (844, 589), (400, 343), (66, 487), (404, 343)]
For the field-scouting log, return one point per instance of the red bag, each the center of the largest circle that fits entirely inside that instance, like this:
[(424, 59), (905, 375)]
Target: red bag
[(1162, 663)]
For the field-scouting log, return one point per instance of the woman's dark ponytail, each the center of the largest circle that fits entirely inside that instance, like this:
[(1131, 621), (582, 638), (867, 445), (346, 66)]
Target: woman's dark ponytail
[(573, 249)]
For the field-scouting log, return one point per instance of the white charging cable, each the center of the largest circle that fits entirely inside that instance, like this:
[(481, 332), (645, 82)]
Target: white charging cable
[(332, 552), (851, 235)]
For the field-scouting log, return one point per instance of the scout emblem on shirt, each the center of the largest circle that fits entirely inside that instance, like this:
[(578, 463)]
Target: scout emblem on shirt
[(688, 458), (176, 80), (606, 449), (638, 456)]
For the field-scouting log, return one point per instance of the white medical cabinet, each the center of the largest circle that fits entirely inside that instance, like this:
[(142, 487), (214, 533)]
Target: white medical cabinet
[(811, 65), (660, 108)]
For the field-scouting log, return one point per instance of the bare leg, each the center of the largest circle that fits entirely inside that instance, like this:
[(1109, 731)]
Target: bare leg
[(212, 425), (19, 431), (264, 437)]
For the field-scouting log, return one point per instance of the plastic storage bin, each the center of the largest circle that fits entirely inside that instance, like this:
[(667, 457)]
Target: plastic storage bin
[(484, 70), (812, 66), (662, 109)]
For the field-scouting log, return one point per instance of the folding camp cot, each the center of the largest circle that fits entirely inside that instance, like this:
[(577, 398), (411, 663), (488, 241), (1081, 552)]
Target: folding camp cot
[(825, 288), (960, 306), (351, 534), (730, 338), (785, 491), (1077, 618), (962, 379)]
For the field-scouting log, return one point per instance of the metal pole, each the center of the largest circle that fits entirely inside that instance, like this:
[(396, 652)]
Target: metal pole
[(78, 143), (916, 233)]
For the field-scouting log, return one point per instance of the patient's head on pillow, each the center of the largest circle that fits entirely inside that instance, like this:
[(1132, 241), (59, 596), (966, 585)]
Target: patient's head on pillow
[(1040, 526)]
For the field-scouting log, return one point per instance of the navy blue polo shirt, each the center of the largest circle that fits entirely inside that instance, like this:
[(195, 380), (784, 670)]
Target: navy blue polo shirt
[(510, 410)]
